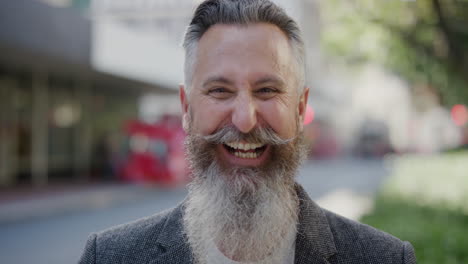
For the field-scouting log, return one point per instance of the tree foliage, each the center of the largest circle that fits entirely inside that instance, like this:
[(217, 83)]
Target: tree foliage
[(424, 41)]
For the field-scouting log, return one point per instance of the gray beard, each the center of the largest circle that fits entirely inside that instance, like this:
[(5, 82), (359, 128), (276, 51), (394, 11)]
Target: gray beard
[(247, 212)]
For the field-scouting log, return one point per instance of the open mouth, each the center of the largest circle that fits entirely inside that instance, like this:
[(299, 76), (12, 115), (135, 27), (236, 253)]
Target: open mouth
[(245, 150)]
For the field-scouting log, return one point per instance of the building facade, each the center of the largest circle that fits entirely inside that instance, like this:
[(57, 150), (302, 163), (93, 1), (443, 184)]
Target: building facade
[(58, 113)]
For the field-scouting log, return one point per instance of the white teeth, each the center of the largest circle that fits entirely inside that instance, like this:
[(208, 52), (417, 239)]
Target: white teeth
[(249, 155), (246, 146)]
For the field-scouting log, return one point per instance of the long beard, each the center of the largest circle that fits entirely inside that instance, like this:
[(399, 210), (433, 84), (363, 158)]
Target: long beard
[(248, 213)]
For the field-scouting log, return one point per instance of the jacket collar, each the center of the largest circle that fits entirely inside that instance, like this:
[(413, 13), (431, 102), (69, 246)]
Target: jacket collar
[(314, 240), (172, 240)]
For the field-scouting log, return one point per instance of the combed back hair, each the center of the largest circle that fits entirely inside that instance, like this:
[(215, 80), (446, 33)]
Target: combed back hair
[(240, 12)]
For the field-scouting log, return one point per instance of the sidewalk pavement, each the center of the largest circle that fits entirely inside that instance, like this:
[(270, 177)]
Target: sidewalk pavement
[(25, 204)]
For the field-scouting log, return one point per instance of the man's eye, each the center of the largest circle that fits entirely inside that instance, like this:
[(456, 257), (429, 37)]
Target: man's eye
[(220, 93), (266, 90), (218, 90)]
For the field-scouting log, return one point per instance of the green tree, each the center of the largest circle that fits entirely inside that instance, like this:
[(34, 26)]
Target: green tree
[(424, 41)]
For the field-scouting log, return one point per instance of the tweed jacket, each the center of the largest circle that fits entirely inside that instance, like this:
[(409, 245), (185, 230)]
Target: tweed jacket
[(322, 238)]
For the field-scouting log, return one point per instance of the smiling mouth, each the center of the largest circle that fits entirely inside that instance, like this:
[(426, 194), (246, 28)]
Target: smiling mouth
[(245, 150)]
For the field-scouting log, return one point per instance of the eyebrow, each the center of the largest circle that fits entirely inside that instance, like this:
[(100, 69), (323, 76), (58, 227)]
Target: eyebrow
[(217, 79), (270, 79), (263, 80)]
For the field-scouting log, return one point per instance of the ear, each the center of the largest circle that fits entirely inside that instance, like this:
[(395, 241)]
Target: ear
[(303, 105), (184, 104)]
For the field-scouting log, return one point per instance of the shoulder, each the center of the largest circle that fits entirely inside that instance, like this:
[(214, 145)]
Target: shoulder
[(342, 240), (131, 242), (361, 241), (133, 233), (347, 230)]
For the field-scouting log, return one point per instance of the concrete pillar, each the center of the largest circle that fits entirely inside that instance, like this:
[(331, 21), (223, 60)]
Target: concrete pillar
[(40, 128), (83, 132)]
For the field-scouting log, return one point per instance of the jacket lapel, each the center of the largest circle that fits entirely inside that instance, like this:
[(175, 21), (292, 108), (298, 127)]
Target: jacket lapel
[(314, 240), (172, 240)]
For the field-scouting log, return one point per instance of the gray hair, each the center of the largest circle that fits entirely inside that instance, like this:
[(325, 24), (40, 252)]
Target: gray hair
[(240, 12)]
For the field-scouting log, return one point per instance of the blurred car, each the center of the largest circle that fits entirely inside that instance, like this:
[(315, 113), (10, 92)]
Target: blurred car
[(373, 140)]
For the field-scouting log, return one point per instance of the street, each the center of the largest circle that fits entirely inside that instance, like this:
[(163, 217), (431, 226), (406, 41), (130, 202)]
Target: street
[(60, 238)]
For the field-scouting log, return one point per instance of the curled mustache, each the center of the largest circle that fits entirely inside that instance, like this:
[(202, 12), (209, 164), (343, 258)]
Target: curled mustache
[(261, 135)]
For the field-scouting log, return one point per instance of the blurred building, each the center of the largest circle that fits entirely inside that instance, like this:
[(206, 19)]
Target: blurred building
[(58, 111)]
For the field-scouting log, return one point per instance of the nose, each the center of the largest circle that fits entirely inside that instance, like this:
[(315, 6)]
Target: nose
[(244, 114)]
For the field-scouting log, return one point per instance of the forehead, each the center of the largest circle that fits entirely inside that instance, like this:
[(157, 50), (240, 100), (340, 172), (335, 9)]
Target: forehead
[(255, 46)]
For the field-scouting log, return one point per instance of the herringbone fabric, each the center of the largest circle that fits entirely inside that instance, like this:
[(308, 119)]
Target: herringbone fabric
[(323, 238)]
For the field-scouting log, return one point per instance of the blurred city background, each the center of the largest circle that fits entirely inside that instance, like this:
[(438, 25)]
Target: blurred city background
[(91, 137)]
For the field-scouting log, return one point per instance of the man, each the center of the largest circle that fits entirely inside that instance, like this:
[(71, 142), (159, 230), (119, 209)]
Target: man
[(243, 105)]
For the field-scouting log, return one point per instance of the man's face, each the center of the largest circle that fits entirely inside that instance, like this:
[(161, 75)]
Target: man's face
[(243, 117), (244, 76)]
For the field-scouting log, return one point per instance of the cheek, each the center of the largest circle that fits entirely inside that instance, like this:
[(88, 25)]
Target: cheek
[(207, 118), (281, 118)]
